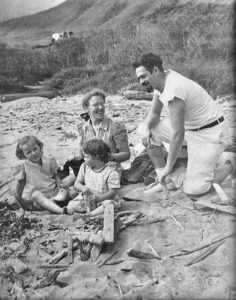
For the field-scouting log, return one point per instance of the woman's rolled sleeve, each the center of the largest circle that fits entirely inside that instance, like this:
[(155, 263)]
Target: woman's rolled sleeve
[(120, 137)]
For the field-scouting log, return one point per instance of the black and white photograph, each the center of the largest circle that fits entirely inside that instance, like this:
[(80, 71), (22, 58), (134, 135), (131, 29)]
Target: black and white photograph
[(117, 149)]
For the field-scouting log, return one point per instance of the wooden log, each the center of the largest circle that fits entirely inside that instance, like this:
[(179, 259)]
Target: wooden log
[(107, 258), (37, 88), (223, 197), (62, 254), (12, 97), (227, 210), (90, 237), (70, 258), (205, 245), (203, 255), (97, 247), (141, 254), (108, 227)]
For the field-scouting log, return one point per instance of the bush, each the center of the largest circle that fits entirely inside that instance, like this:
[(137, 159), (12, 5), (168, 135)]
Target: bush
[(104, 59)]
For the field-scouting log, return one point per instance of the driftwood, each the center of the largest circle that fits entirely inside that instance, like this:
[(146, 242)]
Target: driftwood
[(189, 251), (228, 210), (97, 247), (48, 280), (203, 255), (152, 249), (70, 258), (108, 227), (141, 254), (62, 254), (12, 97), (100, 264), (37, 88)]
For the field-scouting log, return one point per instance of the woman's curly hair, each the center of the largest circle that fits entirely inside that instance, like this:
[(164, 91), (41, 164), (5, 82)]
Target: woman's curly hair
[(88, 96), (25, 140), (98, 149)]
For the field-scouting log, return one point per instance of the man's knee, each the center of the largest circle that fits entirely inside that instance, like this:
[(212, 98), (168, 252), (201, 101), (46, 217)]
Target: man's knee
[(197, 188)]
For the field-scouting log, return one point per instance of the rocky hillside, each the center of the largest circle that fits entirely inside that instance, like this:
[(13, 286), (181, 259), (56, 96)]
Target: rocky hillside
[(82, 16)]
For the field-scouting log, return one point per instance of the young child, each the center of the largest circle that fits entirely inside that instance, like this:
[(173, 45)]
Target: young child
[(37, 181), (97, 180)]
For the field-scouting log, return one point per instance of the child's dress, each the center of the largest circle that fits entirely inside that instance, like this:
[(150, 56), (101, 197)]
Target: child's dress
[(38, 177), (98, 182)]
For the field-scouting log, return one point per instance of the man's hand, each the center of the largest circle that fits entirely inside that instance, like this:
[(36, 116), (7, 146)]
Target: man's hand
[(146, 137), (165, 172)]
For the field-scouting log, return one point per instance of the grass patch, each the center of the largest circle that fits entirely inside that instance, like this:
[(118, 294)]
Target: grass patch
[(103, 59)]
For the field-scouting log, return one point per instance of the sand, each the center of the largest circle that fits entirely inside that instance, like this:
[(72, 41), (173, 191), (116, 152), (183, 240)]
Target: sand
[(54, 122)]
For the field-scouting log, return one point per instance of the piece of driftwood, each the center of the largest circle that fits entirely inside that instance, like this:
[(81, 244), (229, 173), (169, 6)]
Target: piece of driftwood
[(18, 290), (228, 210), (53, 266), (48, 280), (152, 249), (97, 247), (12, 97), (177, 222), (70, 258), (220, 192), (108, 227), (6, 182), (206, 253), (37, 88), (141, 254), (62, 254), (137, 95), (100, 264), (132, 199), (151, 221), (189, 251), (146, 283), (114, 262), (89, 237)]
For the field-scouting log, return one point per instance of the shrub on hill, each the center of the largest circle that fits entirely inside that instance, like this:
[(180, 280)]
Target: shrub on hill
[(103, 59)]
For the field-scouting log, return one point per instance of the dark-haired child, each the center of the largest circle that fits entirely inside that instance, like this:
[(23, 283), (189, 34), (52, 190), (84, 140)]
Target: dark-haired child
[(37, 181), (97, 180)]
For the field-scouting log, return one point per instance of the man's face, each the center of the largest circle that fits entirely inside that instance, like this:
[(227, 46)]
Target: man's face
[(146, 79)]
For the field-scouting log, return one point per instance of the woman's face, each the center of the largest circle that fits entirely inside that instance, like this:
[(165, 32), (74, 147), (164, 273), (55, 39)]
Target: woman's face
[(96, 108)]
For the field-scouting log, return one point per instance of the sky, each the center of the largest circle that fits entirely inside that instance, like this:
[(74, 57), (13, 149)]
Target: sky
[(17, 8)]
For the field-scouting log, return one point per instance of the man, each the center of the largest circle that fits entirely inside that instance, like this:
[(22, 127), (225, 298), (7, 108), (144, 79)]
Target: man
[(195, 119)]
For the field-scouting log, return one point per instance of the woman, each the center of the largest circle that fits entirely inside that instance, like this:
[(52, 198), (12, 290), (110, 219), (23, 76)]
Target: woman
[(97, 125)]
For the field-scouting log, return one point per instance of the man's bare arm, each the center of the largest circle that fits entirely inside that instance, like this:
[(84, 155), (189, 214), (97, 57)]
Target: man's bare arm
[(177, 115), (152, 119)]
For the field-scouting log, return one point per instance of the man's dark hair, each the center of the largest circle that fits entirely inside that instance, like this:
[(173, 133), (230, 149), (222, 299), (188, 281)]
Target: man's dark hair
[(97, 148), (149, 61)]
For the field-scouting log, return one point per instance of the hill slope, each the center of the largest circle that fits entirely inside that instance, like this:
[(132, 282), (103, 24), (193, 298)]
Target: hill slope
[(82, 16)]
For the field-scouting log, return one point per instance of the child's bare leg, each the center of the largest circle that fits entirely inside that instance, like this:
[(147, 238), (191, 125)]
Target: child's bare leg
[(97, 211), (100, 209), (44, 203)]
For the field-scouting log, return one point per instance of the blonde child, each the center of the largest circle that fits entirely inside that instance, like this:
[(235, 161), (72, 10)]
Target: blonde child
[(37, 181), (97, 179)]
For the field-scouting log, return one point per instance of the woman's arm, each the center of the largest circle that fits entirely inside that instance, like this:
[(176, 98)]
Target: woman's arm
[(121, 143)]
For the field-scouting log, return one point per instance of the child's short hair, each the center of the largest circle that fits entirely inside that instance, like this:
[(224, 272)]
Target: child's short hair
[(98, 149), (25, 140)]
